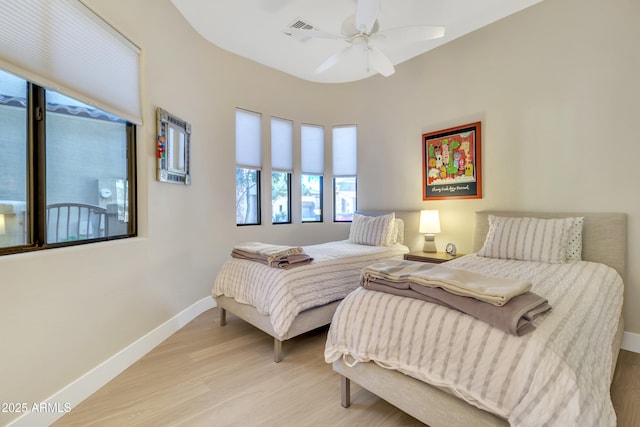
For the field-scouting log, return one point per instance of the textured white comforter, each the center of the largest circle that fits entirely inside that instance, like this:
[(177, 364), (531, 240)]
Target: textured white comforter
[(558, 375), (283, 293)]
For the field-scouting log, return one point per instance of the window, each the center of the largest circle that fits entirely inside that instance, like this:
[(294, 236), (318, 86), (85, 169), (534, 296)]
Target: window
[(345, 169), (82, 162), (248, 164), (344, 198), (281, 169), (67, 157), (312, 153)]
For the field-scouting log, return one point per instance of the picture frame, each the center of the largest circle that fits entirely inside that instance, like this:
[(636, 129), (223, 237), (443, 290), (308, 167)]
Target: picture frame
[(451, 163), (173, 148)]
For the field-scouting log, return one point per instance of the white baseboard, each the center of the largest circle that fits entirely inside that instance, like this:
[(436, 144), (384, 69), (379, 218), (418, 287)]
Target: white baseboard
[(631, 342), (73, 394)]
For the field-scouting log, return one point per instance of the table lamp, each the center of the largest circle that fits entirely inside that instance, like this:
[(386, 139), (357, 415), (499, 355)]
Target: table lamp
[(429, 226)]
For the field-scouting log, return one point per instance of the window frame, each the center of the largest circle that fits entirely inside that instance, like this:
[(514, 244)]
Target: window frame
[(288, 178), (258, 197), (320, 198), (36, 200), (335, 192)]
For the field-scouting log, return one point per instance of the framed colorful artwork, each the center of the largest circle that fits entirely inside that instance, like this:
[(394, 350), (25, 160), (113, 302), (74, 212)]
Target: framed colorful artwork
[(451, 163)]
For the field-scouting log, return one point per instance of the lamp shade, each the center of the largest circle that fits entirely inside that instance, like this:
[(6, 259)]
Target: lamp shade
[(1, 223), (429, 222)]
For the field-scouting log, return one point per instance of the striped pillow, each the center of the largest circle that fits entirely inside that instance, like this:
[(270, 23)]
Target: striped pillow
[(372, 230), (527, 239)]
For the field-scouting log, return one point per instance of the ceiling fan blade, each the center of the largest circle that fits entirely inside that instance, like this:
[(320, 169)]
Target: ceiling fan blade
[(411, 34), (366, 14), (380, 62), (302, 33), (332, 60)]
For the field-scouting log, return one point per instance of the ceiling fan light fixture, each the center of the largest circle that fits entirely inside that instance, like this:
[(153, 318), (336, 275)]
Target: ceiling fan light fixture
[(360, 42), (349, 28)]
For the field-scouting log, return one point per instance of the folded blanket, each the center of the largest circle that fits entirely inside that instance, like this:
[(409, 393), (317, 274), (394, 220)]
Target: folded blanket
[(278, 256), (267, 249), (290, 261), (515, 317), (494, 290)]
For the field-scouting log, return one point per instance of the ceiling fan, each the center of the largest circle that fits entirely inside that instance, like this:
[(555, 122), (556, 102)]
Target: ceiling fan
[(361, 32)]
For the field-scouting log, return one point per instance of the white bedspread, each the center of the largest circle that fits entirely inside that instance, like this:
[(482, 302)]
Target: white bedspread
[(282, 294), (558, 375)]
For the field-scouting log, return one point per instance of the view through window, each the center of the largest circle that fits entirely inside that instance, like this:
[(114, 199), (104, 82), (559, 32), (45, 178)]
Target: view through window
[(88, 157)]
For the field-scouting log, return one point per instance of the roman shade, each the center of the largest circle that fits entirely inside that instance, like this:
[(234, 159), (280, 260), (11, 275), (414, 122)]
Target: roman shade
[(345, 151), (312, 147), (64, 46), (248, 141), (281, 144)]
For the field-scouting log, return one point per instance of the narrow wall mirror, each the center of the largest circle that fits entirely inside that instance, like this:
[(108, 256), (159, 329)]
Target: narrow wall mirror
[(174, 143)]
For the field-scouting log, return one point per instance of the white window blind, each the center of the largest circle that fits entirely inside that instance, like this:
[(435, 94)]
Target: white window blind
[(281, 145), (345, 151), (248, 141), (312, 149), (64, 46)]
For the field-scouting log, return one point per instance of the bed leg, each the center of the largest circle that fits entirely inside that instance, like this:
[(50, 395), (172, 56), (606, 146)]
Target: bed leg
[(345, 391), (277, 350), (223, 317)]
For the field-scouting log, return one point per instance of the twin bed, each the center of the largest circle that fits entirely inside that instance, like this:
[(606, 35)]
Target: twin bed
[(444, 367), (285, 303), (447, 369)]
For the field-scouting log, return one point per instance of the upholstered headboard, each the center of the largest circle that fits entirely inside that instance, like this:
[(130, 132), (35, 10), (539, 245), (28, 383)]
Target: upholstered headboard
[(604, 235)]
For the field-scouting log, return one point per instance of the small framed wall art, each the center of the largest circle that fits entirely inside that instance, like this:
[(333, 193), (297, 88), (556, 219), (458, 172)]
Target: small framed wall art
[(173, 149), (451, 163)]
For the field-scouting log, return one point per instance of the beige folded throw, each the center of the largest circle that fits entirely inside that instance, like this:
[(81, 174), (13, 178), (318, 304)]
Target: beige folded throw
[(494, 290), (515, 317), (269, 251)]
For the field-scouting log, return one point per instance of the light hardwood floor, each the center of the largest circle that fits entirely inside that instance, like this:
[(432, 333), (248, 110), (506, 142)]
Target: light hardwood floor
[(207, 375)]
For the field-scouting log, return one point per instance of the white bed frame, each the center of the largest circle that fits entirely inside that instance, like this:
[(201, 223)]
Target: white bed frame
[(312, 318), (604, 240)]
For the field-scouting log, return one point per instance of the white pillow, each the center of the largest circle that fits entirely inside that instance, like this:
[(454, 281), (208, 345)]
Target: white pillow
[(397, 234), (573, 251), (372, 230), (527, 239)]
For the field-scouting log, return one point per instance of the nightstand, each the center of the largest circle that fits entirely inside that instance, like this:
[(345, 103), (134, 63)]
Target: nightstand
[(433, 257)]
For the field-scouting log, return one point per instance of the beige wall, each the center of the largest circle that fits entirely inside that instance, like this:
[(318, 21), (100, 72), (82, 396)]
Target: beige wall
[(65, 311), (555, 87)]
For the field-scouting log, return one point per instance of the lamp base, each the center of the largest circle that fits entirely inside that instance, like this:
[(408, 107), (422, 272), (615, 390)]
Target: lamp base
[(429, 243)]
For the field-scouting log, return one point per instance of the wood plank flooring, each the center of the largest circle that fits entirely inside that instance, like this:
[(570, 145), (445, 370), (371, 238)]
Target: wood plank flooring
[(207, 375)]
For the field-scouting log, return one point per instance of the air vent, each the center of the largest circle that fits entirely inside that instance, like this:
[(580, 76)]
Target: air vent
[(299, 24)]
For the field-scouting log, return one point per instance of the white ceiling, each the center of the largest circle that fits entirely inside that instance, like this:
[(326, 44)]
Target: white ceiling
[(255, 29)]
